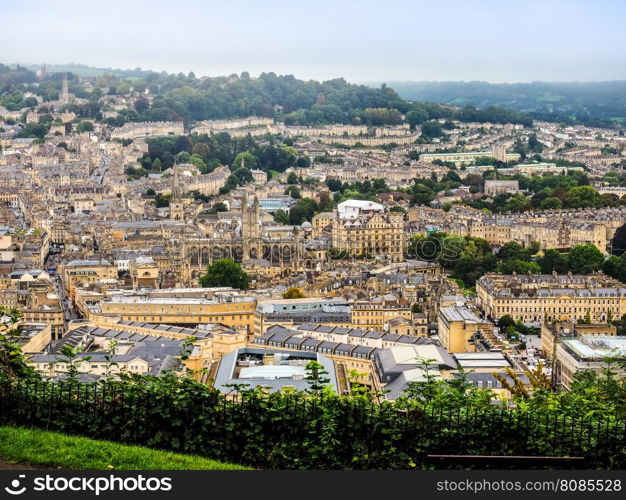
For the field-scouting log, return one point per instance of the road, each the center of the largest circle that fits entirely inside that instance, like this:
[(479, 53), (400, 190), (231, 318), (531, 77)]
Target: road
[(69, 311)]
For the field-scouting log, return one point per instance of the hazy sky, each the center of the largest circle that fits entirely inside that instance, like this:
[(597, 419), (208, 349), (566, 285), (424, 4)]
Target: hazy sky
[(493, 40)]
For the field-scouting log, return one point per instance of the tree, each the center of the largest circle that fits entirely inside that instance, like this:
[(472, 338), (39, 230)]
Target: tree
[(12, 362), (581, 197), (533, 144), (293, 292), (334, 184), (506, 321), (182, 157), (292, 178), (432, 129), (513, 250), (141, 105), (539, 382), (585, 259), (150, 192), (250, 161), (304, 210), (84, 127), (218, 207), (416, 117), (316, 377), (162, 200), (303, 162), (225, 273), (551, 203), (618, 244), (553, 261), (293, 191), (72, 360), (517, 266), (33, 130), (281, 217), (616, 267), (326, 202)]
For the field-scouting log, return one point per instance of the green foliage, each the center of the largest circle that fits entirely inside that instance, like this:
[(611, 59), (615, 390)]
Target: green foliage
[(585, 259), (12, 363), (34, 130), (281, 217), (382, 116), (506, 321), (513, 250), (304, 210), (135, 172), (218, 207), (162, 200), (72, 360), (227, 273), (316, 376), (366, 190), (432, 129), (581, 197), (84, 127), (293, 191), (553, 261), (597, 104), (549, 192), (52, 449), (292, 178), (468, 258), (517, 266), (322, 430), (250, 161)]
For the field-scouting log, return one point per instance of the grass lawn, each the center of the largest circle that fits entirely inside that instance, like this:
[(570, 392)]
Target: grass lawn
[(51, 449)]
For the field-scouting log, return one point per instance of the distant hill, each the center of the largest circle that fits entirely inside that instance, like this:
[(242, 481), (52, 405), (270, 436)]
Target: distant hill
[(88, 71), (589, 102)]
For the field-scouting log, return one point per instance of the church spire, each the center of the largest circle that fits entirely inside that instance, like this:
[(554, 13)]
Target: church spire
[(65, 91), (176, 184)]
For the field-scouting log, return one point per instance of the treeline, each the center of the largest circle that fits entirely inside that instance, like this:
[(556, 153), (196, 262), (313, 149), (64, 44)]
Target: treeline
[(210, 151), (469, 258), (421, 112), (206, 153), (185, 97), (594, 104), (548, 192), (284, 97)]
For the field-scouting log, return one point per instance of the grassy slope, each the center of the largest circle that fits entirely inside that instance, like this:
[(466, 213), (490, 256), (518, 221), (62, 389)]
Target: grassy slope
[(36, 447)]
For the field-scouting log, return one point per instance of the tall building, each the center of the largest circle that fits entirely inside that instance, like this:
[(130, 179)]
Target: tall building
[(244, 237), (65, 97), (177, 207), (363, 228)]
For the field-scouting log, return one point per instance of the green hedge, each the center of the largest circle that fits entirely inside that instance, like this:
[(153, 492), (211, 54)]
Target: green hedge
[(300, 430)]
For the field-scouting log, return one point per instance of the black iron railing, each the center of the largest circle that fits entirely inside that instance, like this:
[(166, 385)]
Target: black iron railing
[(299, 431)]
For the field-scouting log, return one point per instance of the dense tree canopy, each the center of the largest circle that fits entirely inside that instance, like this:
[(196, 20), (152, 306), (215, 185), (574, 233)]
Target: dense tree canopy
[(584, 259), (225, 272)]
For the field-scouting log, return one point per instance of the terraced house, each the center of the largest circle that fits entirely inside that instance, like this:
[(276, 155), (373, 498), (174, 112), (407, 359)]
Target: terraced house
[(539, 297)]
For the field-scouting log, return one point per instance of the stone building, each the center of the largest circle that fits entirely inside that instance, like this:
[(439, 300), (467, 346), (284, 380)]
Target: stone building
[(542, 298), (363, 228), (245, 238)]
